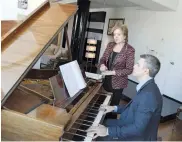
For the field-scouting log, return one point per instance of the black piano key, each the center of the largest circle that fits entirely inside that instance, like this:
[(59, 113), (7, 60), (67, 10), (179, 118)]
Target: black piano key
[(84, 127), (91, 118), (81, 133), (99, 98), (89, 114), (74, 136), (77, 135), (86, 118), (84, 122), (78, 138), (97, 101), (102, 98), (91, 104), (77, 131), (90, 122), (89, 107), (76, 126), (94, 106), (92, 111), (67, 136)]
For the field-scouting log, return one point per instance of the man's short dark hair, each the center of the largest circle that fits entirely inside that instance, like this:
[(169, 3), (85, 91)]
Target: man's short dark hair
[(152, 63)]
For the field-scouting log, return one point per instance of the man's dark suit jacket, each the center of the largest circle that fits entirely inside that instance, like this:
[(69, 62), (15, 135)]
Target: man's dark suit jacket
[(140, 118)]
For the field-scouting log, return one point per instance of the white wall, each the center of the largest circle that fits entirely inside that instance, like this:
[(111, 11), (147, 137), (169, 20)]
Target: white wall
[(10, 10), (172, 4), (159, 31), (157, 5)]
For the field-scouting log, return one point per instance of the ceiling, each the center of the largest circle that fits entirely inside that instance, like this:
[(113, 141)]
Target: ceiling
[(158, 5), (111, 3)]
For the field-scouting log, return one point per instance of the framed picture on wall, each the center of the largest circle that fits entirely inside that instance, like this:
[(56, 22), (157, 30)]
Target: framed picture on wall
[(23, 4), (112, 23)]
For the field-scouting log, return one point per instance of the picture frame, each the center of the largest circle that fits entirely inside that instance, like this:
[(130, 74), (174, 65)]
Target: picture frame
[(23, 4), (112, 23)]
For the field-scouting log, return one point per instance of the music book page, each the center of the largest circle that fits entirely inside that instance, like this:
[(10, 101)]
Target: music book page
[(93, 75), (72, 77)]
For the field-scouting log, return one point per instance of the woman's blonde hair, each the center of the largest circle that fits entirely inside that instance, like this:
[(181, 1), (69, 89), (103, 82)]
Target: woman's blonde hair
[(123, 28)]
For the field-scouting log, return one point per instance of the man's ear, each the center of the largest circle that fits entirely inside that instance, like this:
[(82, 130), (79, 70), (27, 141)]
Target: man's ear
[(147, 71)]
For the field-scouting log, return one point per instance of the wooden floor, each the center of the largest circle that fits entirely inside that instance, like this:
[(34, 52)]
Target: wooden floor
[(167, 133)]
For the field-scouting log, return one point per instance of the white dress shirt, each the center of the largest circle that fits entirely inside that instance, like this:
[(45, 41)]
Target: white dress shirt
[(141, 83)]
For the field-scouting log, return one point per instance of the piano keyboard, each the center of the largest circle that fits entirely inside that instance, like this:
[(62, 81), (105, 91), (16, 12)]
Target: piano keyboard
[(91, 116)]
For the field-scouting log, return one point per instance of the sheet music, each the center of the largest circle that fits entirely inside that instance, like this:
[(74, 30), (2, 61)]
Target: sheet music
[(72, 77), (93, 75)]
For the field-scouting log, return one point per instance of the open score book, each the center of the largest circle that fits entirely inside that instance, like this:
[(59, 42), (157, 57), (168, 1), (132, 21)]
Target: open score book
[(72, 77)]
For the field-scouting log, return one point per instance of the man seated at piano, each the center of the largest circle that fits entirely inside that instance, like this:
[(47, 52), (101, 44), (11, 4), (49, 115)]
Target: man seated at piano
[(140, 118)]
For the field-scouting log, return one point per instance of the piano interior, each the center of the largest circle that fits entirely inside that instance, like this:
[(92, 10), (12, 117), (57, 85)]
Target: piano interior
[(36, 105)]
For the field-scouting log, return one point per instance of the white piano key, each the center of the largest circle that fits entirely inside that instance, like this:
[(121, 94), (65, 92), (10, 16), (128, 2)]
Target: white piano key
[(98, 119)]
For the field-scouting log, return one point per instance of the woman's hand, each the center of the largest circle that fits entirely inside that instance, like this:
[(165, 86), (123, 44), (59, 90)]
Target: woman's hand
[(103, 68)]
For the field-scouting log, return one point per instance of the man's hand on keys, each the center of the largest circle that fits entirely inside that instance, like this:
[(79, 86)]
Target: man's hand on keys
[(106, 108), (99, 130)]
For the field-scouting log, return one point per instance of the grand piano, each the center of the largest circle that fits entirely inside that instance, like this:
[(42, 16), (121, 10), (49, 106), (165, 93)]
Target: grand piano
[(35, 105)]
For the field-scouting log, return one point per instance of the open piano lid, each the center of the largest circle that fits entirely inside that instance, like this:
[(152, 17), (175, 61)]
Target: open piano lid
[(23, 45)]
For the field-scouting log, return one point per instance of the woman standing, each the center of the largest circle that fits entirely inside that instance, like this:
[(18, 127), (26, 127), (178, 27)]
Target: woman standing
[(116, 64)]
